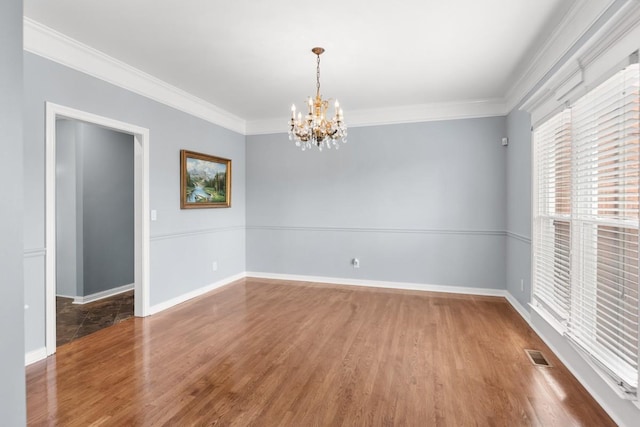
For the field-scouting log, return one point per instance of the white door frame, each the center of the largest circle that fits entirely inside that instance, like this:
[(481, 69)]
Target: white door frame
[(141, 208)]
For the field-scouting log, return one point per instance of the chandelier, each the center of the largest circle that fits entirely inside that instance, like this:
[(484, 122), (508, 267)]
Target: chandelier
[(315, 128)]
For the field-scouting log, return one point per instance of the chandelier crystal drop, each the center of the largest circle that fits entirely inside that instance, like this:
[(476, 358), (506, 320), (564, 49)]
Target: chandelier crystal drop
[(315, 129)]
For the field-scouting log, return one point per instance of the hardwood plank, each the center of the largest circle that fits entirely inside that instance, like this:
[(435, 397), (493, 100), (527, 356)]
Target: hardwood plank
[(273, 353)]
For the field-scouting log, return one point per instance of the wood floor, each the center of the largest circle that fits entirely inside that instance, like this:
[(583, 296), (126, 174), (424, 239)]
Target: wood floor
[(271, 353)]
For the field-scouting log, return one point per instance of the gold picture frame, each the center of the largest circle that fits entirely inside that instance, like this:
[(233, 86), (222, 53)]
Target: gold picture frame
[(205, 181)]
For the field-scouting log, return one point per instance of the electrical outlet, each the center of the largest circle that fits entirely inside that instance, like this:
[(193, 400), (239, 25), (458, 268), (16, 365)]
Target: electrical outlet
[(215, 266), (521, 285), (355, 263)]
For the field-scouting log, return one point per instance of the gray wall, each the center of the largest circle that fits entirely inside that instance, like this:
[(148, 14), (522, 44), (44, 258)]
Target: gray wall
[(95, 196), (68, 234), (183, 242), (421, 203), (518, 178), (12, 387), (107, 211)]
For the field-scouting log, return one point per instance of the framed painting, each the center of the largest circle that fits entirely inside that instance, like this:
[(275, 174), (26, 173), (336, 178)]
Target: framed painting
[(205, 181)]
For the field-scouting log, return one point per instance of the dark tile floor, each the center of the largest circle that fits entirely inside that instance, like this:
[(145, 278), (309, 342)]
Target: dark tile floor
[(77, 320)]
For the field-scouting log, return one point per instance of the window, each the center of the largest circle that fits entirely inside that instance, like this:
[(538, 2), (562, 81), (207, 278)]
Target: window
[(553, 214), (586, 219)]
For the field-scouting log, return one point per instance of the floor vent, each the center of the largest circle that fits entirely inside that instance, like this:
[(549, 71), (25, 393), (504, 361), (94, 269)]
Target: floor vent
[(537, 358)]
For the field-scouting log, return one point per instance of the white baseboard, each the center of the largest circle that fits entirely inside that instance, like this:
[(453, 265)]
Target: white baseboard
[(35, 356), (195, 293), (330, 280), (66, 296), (522, 311), (383, 284), (103, 294)]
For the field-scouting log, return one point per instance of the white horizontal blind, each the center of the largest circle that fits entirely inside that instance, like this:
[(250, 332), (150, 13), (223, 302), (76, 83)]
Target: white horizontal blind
[(552, 214), (604, 225)]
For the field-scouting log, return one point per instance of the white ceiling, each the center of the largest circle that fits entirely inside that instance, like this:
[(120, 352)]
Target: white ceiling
[(252, 57)]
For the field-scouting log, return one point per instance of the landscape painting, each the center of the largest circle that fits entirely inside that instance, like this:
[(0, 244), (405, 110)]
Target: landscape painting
[(205, 181)]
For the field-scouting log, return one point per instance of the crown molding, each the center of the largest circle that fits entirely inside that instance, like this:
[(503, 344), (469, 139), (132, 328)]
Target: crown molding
[(398, 115), (55, 46), (580, 17), (48, 43), (606, 52), (618, 37)]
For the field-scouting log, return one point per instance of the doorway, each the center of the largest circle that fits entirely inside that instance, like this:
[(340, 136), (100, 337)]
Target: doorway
[(94, 228), (138, 271)]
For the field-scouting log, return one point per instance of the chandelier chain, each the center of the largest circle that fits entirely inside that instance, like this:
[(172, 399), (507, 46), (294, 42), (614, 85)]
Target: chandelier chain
[(318, 77)]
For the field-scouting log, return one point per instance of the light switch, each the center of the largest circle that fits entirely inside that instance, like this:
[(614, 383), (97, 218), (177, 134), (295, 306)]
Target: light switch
[(154, 215)]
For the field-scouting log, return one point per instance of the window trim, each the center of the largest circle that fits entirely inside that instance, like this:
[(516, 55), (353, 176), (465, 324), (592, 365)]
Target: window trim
[(595, 221)]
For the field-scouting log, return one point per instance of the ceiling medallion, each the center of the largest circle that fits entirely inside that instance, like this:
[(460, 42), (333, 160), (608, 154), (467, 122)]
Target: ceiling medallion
[(315, 129)]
